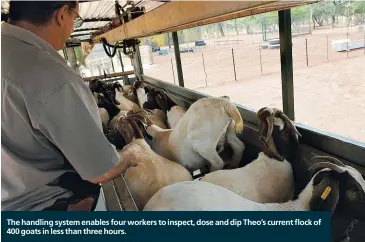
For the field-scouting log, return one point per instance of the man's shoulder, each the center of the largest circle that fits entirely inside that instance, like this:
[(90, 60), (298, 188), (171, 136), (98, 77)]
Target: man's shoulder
[(37, 73)]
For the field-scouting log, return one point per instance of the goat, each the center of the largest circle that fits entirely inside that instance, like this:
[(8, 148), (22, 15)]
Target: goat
[(125, 103), (334, 187), (194, 139), (115, 92), (269, 178), (140, 91), (157, 117), (152, 171), (104, 115), (114, 136), (108, 103), (126, 90), (151, 98), (174, 115)]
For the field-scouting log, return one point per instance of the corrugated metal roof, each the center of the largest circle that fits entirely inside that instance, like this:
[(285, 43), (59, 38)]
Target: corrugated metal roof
[(98, 9), (106, 9), (96, 24)]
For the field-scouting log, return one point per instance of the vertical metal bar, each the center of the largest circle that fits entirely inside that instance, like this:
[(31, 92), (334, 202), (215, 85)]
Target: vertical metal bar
[(73, 52), (65, 53), (206, 76), (111, 59), (260, 58), (286, 60), (173, 73), (234, 66), (125, 78), (139, 60), (178, 59), (306, 49)]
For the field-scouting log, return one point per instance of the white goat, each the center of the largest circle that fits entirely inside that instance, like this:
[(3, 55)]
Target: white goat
[(332, 186), (157, 117), (268, 178), (152, 171), (125, 103), (194, 139), (128, 93), (174, 115), (104, 116)]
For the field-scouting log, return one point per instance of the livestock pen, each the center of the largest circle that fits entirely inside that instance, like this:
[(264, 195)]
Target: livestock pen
[(119, 34)]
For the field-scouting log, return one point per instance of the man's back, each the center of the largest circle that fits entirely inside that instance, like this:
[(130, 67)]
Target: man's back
[(40, 94)]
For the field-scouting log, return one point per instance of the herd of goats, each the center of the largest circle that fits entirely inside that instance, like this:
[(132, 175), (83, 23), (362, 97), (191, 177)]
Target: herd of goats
[(164, 145)]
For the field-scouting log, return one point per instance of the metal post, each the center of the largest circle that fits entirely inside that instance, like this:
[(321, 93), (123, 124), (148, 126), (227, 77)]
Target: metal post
[(260, 58), (137, 56), (178, 59), (234, 66), (71, 58), (173, 73), (111, 59), (125, 78), (206, 76), (306, 49), (286, 60), (65, 54)]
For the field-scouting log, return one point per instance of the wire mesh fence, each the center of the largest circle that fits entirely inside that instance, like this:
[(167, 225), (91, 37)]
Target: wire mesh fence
[(241, 57)]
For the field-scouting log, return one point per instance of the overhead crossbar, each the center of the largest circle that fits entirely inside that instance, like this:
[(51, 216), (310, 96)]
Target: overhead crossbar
[(174, 16)]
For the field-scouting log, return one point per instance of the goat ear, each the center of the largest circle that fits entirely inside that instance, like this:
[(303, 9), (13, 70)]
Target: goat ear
[(161, 102), (135, 86), (146, 89), (326, 191)]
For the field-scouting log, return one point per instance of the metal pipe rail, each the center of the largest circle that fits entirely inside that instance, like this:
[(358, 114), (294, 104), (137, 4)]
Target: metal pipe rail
[(117, 74)]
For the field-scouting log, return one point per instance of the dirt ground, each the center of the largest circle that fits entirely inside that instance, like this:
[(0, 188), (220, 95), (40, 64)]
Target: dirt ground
[(329, 97), (329, 92)]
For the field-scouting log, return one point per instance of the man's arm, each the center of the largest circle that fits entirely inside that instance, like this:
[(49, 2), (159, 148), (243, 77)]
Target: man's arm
[(71, 121)]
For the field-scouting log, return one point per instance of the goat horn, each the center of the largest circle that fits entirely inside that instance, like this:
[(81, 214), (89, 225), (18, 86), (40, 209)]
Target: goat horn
[(266, 113), (327, 165), (329, 158), (126, 132), (144, 114), (136, 129), (270, 127), (289, 123)]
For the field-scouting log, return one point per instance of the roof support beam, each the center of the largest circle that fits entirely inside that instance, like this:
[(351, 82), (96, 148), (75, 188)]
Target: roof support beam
[(178, 15), (88, 20), (85, 29), (286, 59), (180, 76)]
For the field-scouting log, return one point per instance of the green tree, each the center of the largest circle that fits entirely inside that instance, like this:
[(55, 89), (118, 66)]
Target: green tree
[(299, 15), (359, 12), (248, 23), (359, 7), (220, 26), (322, 11)]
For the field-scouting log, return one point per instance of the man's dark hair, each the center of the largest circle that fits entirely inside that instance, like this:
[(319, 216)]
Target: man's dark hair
[(36, 12)]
